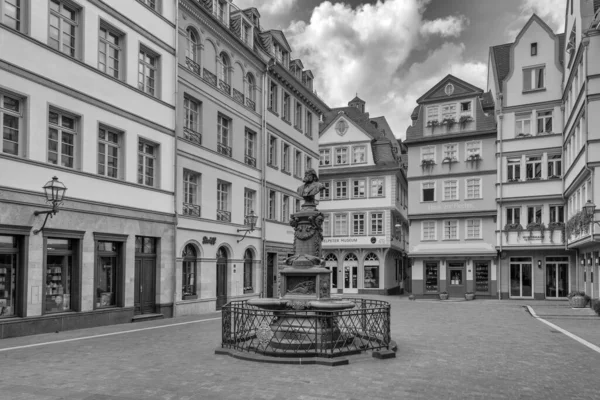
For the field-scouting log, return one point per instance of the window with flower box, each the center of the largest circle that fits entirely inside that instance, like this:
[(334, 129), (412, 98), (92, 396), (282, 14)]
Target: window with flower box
[(473, 149), (513, 215), (324, 157), (341, 155), (534, 215), (450, 152)]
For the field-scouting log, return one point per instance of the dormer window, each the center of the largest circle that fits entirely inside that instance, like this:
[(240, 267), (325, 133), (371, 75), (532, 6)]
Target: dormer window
[(246, 33), (534, 49), (278, 52), (221, 8)]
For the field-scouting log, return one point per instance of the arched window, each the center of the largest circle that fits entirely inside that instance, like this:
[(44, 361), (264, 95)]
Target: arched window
[(188, 287), (250, 87), (224, 76), (350, 257), (331, 262), (221, 277), (248, 272), (191, 50), (371, 271)]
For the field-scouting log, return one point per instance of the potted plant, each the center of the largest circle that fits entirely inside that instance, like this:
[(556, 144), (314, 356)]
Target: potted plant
[(427, 163), (470, 296), (432, 124), (444, 295), (449, 122), (536, 226), (578, 299), (513, 228), (474, 157), (552, 226), (463, 120)]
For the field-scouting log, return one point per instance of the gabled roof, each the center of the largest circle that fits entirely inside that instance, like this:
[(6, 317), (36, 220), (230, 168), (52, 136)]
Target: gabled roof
[(308, 73), (250, 11), (359, 118), (356, 99), (464, 86), (280, 38), (297, 63)]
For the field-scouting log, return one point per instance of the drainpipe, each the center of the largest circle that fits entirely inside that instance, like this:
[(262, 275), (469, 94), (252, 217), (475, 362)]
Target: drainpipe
[(501, 169), (175, 164), (263, 176), (591, 171)]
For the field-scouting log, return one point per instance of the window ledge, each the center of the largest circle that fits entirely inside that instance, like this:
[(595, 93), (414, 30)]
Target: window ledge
[(273, 111), (286, 172), (273, 166), (190, 297), (248, 291), (534, 90), (473, 238), (450, 200)]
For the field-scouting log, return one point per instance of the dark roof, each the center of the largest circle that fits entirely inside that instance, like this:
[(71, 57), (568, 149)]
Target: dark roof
[(502, 62), (356, 99), (561, 47), (487, 101), (415, 113)]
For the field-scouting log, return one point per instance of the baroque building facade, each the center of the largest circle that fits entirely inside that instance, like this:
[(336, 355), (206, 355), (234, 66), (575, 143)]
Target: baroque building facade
[(363, 168)]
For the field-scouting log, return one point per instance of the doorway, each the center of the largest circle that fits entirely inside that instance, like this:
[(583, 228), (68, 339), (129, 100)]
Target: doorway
[(457, 285), (557, 277), (521, 277), (271, 257), (221, 277), (331, 263), (351, 274), (144, 298)]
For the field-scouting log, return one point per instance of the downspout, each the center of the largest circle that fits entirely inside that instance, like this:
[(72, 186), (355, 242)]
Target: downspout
[(263, 175), (591, 171), (499, 216), (175, 186)]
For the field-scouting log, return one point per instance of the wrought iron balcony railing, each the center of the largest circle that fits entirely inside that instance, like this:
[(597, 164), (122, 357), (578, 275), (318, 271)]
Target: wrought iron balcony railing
[(238, 96), (192, 136), (191, 209), (224, 149), (193, 66), (224, 86), (250, 104), (223, 215), (210, 77), (250, 160)]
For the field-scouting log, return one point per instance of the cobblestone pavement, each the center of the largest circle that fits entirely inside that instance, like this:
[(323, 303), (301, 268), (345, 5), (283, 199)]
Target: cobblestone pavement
[(483, 349)]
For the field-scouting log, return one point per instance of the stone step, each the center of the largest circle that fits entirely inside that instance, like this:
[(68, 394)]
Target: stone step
[(147, 317)]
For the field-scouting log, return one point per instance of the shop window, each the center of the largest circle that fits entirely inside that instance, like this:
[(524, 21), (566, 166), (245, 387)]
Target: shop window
[(60, 270), (108, 273), (248, 261), (9, 288), (188, 273), (431, 277), (482, 277), (371, 268)]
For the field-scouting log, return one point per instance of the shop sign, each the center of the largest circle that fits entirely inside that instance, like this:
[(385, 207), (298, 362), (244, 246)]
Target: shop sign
[(358, 240), (452, 206), (209, 240), (538, 237)]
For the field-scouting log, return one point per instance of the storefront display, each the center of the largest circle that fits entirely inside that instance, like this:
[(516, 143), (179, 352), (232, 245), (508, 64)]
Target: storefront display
[(482, 277), (431, 277), (106, 274), (371, 268), (59, 269), (8, 275)]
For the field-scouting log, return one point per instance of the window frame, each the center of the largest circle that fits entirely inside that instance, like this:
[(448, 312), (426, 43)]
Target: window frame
[(470, 151), (148, 52), (119, 254), (535, 214), (423, 193), (534, 78), (285, 208), (374, 218), (341, 185), (426, 226), (364, 154), (480, 229), (61, 130), (343, 154), (273, 96), (297, 163), (382, 187), (557, 213), (120, 154), (544, 117), (22, 11), (272, 154), (479, 185), (191, 189), (456, 189), (120, 47), (325, 194), (76, 23), (343, 219), (356, 218), (325, 157), (286, 107), (355, 187), (21, 125), (521, 119), (272, 205), (447, 151), (513, 220), (424, 152), (552, 165), (535, 161), (455, 226), (513, 164), (224, 193), (285, 157), (249, 200), (308, 130)]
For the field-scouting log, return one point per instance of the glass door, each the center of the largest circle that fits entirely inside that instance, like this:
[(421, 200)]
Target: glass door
[(350, 278), (557, 277), (457, 285), (521, 277)]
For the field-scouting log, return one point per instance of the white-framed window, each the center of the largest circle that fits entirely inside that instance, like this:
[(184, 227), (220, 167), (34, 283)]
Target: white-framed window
[(428, 191), (273, 95), (326, 225), (191, 47), (12, 13), (285, 208), (109, 152), (11, 122), (433, 113), (251, 90), (64, 32), (448, 111), (473, 229), (451, 151), (287, 100), (249, 200), (285, 158), (62, 137), (513, 215), (309, 128), (473, 188), (272, 205), (450, 190), (523, 124), (340, 222), (272, 156), (377, 187), (428, 153), (324, 157), (148, 71), (428, 230), (250, 147), (341, 155), (359, 188), (224, 73), (473, 148), (533, 165), (544, 122), (533, 78), (298, 115), (359, 154), (191, 194), (376, 223), (223, 135), (341, 189), (554, 165), (358, 224), (514, 169), (557, 213), (191, 127), (534, 214), (110, 50), (223, 201), (297, 163), (466, 108), (307, 163), (147, 163), (450, 229), (326, 192)]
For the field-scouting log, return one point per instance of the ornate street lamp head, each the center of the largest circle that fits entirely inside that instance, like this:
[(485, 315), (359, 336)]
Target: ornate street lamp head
[(55, 190), (589, 208)]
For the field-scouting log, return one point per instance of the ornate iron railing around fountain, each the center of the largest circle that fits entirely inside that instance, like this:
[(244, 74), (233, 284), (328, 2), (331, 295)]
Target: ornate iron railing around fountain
[(307, 333)]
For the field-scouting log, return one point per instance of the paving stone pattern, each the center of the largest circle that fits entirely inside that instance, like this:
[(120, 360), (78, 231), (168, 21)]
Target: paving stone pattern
[(483, 349)]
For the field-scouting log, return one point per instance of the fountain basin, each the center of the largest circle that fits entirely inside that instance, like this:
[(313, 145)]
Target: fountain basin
[(269, 304), (332, 305)]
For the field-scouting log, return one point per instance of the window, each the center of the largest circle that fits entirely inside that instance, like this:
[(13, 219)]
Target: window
[(272, 151), (191, 128), (189, 269), (433, 113), (108, 152), (533, 167), (466, 108), (273, 89), (298, 207), (377, 223), (62, 131), (534, 49), (223, 191), (557, 214), (11, 13), (341, 189), (250, 147), (450, 190), (224, 73), (272, 204), (298, 163), (147, 162), (248, 261), (554, 165), (358, 224), (307, 164), (326, 225), (191, 196), (249, 199), (11, 289), (544, 122), (309, 124), (61, 265), (514, 169), (109, 51), (473, 148), (428, 191), (534, 214), (431, 277), (298, 115), (451, 230), (473, 228), (147, 71), (250, 88), (376, 187), (533, 78), (63, 32), (326, 192), (523, 124), (222, 11), (285, 158), (428, 153), (341, 155), (223, 139), (428, 230), (286, 107), (324, 157), (371, 271), (451, 151), (473, 188), (11, 122), (448, 111), (513, 215), (191, 49), (359, 188), (340, 225), (246, 33), (285, 208), (149, 3), (359, 154)]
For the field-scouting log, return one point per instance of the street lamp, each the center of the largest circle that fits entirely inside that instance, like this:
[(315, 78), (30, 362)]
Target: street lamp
[(589, 208), (251, 222), (55, 192)]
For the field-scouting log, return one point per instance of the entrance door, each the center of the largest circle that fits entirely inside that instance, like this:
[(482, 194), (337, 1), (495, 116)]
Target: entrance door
[(270, 268), (331, 262), (457, 279), (521, 278), (351, 274), (557, 277), (221, 277), (144, 301)]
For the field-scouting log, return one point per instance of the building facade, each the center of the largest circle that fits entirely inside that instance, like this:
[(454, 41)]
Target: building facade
[(365, 202), (98, 112), (524, 78), (451, 176)]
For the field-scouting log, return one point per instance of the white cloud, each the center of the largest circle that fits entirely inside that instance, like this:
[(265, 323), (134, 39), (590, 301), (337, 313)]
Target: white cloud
[(551, 11), (271, 7), (367, 51)]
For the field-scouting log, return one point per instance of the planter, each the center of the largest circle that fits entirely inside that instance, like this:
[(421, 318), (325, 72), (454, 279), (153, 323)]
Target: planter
[(444, 296), (578, 302), (470, 296)]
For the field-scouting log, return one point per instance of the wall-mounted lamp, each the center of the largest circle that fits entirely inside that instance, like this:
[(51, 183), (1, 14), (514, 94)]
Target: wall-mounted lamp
[(539, 263), (55, 191), (582, 261), (250, 220)]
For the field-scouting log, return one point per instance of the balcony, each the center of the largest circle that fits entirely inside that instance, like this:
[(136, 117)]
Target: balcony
[(533, 235), (225, 87), (238, 96), (250, 104), (578, 227), (450, 125), (193, 66), (250, 161), (223, 215), (192, 136), (191, 209), (224, 149), (210, 78)]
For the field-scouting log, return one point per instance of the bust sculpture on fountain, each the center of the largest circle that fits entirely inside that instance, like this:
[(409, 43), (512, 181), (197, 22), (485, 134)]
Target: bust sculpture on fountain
[(310, 189)]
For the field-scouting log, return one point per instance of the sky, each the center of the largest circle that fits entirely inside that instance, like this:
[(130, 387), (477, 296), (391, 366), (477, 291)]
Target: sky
[(390, 52)]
